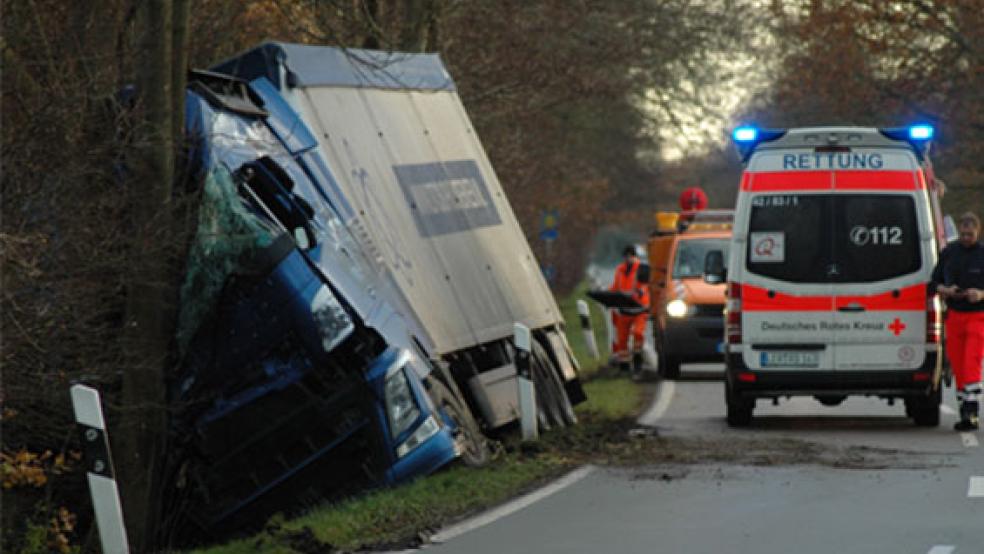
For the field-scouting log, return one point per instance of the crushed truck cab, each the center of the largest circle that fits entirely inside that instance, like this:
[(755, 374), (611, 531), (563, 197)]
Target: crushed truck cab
[(298, 380)]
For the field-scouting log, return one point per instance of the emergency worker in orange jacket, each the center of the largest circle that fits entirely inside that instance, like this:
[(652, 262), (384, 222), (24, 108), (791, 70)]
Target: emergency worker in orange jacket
[(630, 321)]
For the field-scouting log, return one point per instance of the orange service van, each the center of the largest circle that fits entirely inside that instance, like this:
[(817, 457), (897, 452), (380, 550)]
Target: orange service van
[(686, 310), (836, 233)]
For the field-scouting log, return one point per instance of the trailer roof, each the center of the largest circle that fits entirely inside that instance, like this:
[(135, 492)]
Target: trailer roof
[(308, 65)]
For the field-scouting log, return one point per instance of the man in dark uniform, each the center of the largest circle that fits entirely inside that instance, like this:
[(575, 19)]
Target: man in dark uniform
[(959, 279)]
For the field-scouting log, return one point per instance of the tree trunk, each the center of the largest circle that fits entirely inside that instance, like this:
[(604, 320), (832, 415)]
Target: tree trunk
[(179, 67), (413, 35), (147, 332)]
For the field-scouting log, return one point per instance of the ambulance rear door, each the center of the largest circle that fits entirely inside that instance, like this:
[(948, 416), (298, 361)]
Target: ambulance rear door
[(882, 240), (787, 304)]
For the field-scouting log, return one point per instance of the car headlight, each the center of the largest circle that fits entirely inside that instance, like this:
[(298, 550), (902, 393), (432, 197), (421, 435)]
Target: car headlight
[(401, 408), (677, 308), (427, 429)]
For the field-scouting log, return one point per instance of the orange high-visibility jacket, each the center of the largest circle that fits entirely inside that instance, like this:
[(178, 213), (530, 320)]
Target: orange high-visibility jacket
[(626, 281)]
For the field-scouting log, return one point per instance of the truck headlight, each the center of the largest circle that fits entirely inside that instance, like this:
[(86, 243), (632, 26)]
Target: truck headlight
[(427, 429), (334, 325), (401, 408), (677, 308)]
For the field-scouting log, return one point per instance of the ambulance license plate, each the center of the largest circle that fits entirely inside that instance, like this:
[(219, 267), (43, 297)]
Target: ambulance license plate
[(784, 358)]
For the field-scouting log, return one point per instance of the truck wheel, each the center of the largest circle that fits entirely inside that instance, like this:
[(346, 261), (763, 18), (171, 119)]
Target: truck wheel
[(548, 391), (668, 366), (830, 399), (557, 389), (475, 450), (739, 409), (925, 410)]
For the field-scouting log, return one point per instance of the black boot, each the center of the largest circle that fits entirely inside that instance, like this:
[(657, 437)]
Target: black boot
[(637, 362), (969, 420), (625, 366)]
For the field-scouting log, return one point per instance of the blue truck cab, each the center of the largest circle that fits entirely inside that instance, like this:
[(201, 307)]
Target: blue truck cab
[(298, 381)]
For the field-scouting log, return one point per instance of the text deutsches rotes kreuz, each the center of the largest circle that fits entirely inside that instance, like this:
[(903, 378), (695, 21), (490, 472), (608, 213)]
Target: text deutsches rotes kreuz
[(823, 326)]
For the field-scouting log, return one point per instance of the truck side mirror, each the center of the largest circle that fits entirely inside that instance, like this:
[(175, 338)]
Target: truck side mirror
[(714, 270)]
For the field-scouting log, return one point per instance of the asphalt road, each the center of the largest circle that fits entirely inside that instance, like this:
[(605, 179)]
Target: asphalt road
[(893, 488)]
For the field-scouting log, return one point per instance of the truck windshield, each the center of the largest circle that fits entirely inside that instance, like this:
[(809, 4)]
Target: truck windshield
[(689, 259), (840, 238)]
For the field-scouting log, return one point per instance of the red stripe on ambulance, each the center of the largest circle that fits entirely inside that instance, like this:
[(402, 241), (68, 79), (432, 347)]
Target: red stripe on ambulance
[(760, 299), (771, 181), (877, 180)]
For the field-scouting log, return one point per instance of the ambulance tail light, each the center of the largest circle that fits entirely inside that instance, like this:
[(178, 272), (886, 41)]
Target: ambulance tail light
[(921, 376), (732, 311), (934, 326)]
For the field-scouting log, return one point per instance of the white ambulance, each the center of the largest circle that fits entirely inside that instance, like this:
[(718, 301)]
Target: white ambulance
[(836, 233)]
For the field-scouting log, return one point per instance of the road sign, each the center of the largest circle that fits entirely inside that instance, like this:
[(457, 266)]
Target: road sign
[(549, 225)]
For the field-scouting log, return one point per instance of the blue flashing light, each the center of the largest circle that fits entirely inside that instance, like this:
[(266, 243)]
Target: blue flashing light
[(921, 132), (745, 134)]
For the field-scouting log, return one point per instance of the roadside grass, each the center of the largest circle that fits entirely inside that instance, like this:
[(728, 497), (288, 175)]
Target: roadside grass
[(568, 308), (397, 517), (401, 517)]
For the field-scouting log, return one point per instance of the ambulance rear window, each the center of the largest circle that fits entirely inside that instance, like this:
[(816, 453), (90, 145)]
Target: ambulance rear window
[(839, 238), (876, 237), (786, 237)]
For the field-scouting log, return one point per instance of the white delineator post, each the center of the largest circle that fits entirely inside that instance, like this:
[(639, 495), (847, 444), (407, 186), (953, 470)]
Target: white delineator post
[(102, 480), (524, 382), (584, 311), (611, 327)]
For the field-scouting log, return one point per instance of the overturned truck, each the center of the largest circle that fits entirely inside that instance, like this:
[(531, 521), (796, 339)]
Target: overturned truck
[(348, 306)]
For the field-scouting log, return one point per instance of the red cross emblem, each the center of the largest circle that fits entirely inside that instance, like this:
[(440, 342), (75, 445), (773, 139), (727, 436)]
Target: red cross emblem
[(897, 327)]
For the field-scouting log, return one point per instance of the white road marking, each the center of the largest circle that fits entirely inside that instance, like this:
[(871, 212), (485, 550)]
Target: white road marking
[(976, 487), (948, 410), (942, 549), (969, 440), (512, 507), (660, 406)]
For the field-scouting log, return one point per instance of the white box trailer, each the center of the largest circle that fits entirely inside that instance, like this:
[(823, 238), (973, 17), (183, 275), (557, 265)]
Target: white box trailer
[(408, 174)]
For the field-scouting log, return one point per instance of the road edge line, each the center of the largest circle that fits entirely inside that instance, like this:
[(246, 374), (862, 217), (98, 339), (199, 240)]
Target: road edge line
[(512, 506), (659, 406)]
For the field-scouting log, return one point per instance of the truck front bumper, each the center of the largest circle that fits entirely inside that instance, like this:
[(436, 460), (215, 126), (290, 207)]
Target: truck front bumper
[(430, 456), (697, 338)]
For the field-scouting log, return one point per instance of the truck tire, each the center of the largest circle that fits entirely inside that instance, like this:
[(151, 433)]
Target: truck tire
[(548, 391), (475, 449), (556, 386), (739, 409), (668, 366), (925, 410)]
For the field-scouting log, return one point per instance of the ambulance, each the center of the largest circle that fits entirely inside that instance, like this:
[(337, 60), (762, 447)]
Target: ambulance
[(836, 232)]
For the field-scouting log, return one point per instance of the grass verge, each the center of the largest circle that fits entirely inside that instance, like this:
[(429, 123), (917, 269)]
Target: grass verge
[(568, 307)]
